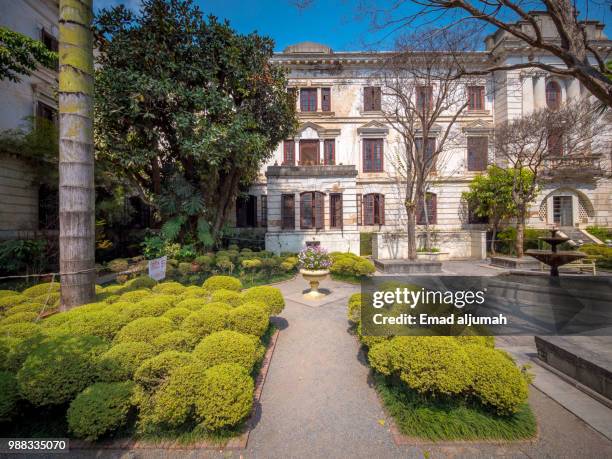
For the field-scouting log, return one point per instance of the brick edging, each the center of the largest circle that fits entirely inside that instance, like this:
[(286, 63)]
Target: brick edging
[(234, 443)]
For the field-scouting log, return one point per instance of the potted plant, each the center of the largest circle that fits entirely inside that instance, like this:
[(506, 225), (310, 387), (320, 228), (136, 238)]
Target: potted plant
[(314, 265)]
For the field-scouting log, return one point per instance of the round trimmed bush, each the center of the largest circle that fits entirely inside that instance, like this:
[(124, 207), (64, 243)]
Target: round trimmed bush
[(153, 306), (497, 382), (193, 304), (230, 297), (229, 346), (52, 300), (154, 371), (59, 368), (114, 289), (354, 308), (174, 402), (14, 351), (177, 315), (228, 398), (19, 317), (250, 318), (222, 282), (101, 408), (177, 340), (9, 301), (193, 291), (20, 330), (170, 288), (219, 305), (4, 293), (120, 307), (9, 394), (135, 296), (144, 329), (41, 289), (205, 322), (270, 296), (118, 265), (102, 323), (141, 282), (486, 341), (121, 361)]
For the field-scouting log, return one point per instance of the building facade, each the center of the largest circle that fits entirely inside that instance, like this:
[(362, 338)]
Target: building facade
[(21, 199), (335, 179)]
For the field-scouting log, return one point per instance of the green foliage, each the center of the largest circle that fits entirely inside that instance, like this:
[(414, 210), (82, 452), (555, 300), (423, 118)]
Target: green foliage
[(190, 152), (270, 296), (194, 291), (250, 318), (365, 244), (121, 361), (59, 368), (170, 288), (177, 340), (222, 282), (154, 371), (230, 297), (9, 395), (118, 265), (8, 301), (100, 409), (20, 330), (144, 329), (14, 351), (20, 55), (135, 296), (229, 346), (507, 239), (228, 398), (490, 195), (177, 314), (349, 264), (19, 318), (21, 255), (204, 322), (354, 308), (41, 289), (600, 232), (140, 282), (103, 323), (601, 253), (193, 304), (155, 305)]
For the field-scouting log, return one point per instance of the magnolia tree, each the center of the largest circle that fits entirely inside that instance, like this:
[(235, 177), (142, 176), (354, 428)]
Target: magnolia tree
[(536, 146), (423, 96)]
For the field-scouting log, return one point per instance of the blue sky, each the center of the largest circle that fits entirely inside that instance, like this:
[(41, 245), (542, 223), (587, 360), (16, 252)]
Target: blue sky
[(338, 23)]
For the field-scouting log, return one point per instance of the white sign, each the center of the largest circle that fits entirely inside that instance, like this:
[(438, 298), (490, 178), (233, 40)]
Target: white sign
[(157, 268)]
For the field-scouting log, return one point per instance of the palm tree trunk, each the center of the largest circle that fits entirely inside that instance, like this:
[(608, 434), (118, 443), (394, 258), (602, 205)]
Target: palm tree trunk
[(76, 161)]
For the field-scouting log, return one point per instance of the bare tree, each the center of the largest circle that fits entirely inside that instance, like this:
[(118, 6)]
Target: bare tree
[(423, 96), (545, 143), (76, 161), (571, 45)]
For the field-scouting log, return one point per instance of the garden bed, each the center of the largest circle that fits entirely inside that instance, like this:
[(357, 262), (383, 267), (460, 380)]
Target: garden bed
[(159, 364)]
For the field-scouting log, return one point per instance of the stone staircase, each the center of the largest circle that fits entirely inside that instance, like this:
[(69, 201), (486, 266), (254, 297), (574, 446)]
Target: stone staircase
[(577, 236)]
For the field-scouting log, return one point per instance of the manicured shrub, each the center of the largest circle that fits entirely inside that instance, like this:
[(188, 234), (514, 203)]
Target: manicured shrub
[(193, 304), (102, 323), (369, 341), (155, 305), (270, 296), (177, 315), (19, 318), (349, 264), (20, 330), (354, 308), (364, 267), (24, 307), (4, 293), (170, 288), (177, 340), (120, 307), (52, 300), (9, 395), (121, 361), (205, 261), (218, 305), (174, 402), (222, 282), (427, 364), (42, 289), (14, 351), (205, 322), (59, 368), (230, 297), (193, 291), (229, 346), (9, 301), (135, 296), (140, 282), (486, 341), (100, 409), (250, 318), (154, 371), (228, 397), (497, 381), (114, 289), (144, 329)]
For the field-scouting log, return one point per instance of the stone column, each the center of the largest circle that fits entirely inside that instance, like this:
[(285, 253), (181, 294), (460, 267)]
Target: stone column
[(573, 89), (321, 151), (528, 101), (540, 92)]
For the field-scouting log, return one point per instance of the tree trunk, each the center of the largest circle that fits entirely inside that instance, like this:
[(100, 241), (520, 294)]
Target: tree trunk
[(411, 231), (493, 236), (76, 160), (520, 236), (225, 196)]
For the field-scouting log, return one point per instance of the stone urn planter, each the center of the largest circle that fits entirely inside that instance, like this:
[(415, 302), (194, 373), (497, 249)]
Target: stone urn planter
[(314, 277)]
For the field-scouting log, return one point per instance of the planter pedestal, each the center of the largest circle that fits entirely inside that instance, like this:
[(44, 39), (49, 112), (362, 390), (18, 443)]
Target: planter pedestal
[(314, 278)]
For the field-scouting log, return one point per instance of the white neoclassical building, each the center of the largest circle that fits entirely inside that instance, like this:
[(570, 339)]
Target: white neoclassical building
[(333, 180)]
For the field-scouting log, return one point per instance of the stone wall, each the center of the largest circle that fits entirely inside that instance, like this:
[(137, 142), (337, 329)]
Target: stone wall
[(458, 244)]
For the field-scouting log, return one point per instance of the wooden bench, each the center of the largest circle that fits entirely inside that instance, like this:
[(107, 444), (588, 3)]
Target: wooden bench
[(584, 264)]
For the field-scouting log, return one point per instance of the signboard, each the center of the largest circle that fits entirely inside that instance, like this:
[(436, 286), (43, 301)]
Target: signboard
[(157, 268)]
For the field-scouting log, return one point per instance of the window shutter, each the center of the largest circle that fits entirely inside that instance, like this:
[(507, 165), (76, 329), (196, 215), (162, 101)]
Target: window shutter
[(367, 99), (368, 209), (359, 209), (319, 210), (433, 208), (264, 210), (326, 99), (335, 210), (376, 98), (329, 153), (381, 203), (288, 211), (289, 152)]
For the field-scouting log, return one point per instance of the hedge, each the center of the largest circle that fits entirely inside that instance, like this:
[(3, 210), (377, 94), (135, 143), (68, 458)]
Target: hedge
[(177, 340), (59, 368), (205, 322), (19, 318), (177, 314), (9, 395), (135, 296), (171, 288), (193, 304), (41, 289), (250, 318), (20, 330), (155, 370), (270, 296), (222, 282), (121, 361), (229, 346), (230, 297), (99, 409), (144, 329), (354, 308), (102, 323), (228, 397)]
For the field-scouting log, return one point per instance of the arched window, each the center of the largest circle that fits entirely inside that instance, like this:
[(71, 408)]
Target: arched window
[(553, 95), (374, 209), (312, 210), (432, 210)]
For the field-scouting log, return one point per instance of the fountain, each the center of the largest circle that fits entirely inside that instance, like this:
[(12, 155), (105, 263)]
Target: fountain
[(555, 258)]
